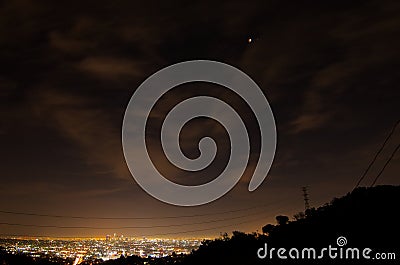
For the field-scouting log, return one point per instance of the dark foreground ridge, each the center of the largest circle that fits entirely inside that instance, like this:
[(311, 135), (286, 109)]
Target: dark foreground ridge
[(366, 218)]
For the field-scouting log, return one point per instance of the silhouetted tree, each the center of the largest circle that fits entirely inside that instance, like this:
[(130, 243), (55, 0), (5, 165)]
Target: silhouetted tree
[(267, 229), (299, 216), (282, 219)]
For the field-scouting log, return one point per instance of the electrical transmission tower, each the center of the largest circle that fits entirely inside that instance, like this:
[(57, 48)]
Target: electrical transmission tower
[(306, 199)]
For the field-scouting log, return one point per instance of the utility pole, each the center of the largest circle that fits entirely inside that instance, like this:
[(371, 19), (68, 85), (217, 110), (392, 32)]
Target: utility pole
[(306, 199)]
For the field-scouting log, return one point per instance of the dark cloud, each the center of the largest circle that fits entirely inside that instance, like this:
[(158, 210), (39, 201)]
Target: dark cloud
[(87, 126), (103, 67)]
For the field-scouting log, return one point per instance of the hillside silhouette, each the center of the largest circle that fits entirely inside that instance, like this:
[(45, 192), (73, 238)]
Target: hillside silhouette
[(366, 217)]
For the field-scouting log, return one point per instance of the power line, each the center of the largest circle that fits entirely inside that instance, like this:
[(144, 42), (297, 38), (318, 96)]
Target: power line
[(182, 232), (260, 213), (158, 234), (377, 154), (13, 236), (130, 227), (387, 162), (133, 218), (206, 229)]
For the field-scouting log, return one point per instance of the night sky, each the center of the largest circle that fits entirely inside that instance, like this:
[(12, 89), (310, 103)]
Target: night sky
[(330, 71)]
